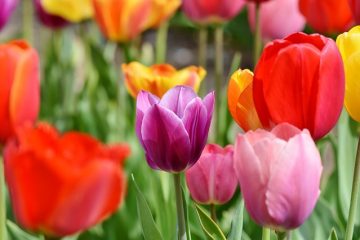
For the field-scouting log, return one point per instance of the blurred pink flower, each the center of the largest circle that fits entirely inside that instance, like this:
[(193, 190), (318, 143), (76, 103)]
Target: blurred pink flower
[(279, 18), (212, 179), (279, 174), (6, 9)]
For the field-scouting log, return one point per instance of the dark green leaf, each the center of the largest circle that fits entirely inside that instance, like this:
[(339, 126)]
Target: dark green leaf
[(333, 235)]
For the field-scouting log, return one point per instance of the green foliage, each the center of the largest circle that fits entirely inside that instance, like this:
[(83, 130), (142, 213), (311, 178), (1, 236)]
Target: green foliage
[(211, 229)]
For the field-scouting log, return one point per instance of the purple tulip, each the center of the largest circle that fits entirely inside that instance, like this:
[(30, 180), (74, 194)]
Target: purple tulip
[(49, 20), (6, 9), (173, 131)]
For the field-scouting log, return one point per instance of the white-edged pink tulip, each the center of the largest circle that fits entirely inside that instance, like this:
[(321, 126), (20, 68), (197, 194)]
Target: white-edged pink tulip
[(279, 174)]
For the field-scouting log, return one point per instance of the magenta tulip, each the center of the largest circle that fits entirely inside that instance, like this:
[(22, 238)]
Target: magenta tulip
[(212, 11), (47, 19), (6, 9), (278, 18), (279, 174), (212, 179), (173, 131)]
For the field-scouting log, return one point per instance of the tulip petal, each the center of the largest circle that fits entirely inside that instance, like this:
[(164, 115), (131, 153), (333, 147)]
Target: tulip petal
[(285, 131), (209, 103), (165, 139)]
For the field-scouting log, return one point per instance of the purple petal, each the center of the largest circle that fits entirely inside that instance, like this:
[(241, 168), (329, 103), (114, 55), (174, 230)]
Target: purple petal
[(209, 102), (49, 20), (144, 101), (6, 9), (165, 140), (195, 122), (177, 98)]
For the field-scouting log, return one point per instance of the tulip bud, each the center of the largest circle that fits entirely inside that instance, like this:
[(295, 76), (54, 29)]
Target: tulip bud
[(173, 131), (20, 87), (158, 79), (73, 11), (6, 9), (279, 174), (212, 179), (300, 80), (49, 20), (349, 46), (60, 185)]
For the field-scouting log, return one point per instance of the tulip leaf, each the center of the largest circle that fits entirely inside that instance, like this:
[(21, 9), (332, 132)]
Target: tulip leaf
[(149, 228), (186, 214), (211, 229), (237, 223), (15, 232), (333, 235)]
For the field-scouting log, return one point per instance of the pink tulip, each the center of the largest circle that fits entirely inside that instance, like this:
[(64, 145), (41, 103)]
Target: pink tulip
[(279, 174), (212, 179), (278, 18)]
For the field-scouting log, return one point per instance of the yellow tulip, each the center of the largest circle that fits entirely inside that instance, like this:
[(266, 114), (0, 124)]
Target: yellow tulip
[(349, 46), (71, 10), (158, 79), (161, 11)]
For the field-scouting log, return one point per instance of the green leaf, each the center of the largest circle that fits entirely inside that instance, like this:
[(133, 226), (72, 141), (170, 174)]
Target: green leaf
[(16, 232), (211, 229), (333, 235), (186, 215), (149, 227), (237, 223)]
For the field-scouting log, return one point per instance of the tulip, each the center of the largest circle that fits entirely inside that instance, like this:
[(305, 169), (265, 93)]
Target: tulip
[(122, 20), (355, 8), (300, 80), (240, 100), (49, 20), (327, 16), (20, 87), (258, 1), (73, 11), (278, 18), (173, 131), (212, 179), (349, 46), (63, 184), (161, 11), (158, 79), (212, 11), (279, 174), (6, 9)]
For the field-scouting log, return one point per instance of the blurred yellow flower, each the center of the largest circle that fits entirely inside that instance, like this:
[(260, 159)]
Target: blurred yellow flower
[(161, 11), (158, 79), (71, 10), (349, 46)]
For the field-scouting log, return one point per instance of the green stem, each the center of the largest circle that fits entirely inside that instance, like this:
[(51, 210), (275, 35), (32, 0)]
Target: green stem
[(213, 212), (354, 197), (258, 38), (266, 233), (179, 208), (219, 65), (3, 232), (126, 48), (283, 235), (28, 20), (161, 43), (203, 38)]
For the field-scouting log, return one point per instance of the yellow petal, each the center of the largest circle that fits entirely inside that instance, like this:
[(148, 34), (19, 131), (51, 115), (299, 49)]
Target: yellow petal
[(71, 10), (352, 92), (162, 10)]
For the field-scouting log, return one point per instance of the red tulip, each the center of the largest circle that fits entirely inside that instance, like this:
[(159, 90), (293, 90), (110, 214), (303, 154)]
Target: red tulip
[(20, 87), (62, 184), (355, 8), (300, 80), (327, 16)]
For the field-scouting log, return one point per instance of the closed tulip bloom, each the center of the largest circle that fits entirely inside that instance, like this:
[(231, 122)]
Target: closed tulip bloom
[(73, 11), (160, 78), (161, 11), (355, 8), (173, 131), (63, 184), (279, 174), (212, 179), (212, 11), (122, 20), (349, 46), (278, 18), (300, 80), (20, 87), (240, 100), (327, 16), (6, 9), (49, 20), (258, 1)]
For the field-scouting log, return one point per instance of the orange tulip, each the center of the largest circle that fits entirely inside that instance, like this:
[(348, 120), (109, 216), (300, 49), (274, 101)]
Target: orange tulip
[(240, 100), (161, 11), (20, 87), (122, 20), (158, 79), (63, 184)]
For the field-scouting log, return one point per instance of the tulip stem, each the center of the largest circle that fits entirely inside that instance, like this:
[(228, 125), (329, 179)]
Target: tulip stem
[(3, 232), (354, 197), (266, 232), (213, 212), (179, 208), (161, 43), (202, 47), (27, 17), (219, 65), (258, 40), (283, 235)]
